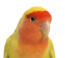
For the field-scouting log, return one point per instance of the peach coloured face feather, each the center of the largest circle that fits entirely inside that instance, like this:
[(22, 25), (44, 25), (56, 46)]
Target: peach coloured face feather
[(35, 27)]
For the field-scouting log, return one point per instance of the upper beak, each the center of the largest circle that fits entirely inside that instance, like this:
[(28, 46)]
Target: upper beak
[(45, 28)]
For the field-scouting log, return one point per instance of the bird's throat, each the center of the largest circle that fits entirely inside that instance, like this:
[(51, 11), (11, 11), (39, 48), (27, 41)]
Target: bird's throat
[(31, 36)]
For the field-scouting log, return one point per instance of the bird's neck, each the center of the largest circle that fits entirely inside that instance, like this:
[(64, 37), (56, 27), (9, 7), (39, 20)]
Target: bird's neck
[(31, 36), (34, 42)]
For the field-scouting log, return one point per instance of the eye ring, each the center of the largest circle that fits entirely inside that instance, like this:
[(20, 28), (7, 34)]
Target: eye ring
[(32, 19)]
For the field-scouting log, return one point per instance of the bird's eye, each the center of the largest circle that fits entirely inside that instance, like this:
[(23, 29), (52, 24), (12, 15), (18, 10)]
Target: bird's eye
[(32, 19)]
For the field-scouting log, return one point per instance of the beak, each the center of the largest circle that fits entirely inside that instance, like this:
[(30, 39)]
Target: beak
[(45, 28)]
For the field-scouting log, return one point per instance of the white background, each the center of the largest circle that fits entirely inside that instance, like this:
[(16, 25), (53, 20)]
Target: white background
[(12, 10)]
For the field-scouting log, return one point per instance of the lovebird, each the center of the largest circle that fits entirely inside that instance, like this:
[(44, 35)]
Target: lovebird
[(31, 36)]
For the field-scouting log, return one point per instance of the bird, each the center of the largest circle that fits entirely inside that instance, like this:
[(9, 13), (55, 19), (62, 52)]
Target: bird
[(30, 38)]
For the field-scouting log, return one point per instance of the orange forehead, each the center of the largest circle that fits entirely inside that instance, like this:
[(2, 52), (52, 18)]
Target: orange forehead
[(40, 15)]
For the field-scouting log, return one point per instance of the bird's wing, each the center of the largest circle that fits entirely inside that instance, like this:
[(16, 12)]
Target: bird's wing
[(6, 51), (51, 51), (6, 48)]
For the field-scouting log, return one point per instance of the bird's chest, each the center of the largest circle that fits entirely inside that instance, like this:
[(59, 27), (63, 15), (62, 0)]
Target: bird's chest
[(27, 51)]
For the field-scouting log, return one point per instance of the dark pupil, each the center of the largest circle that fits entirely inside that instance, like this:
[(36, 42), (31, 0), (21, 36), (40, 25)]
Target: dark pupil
[(32, 19)]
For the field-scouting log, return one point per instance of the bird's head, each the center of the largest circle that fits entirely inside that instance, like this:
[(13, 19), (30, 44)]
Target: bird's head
[(35, 25)]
